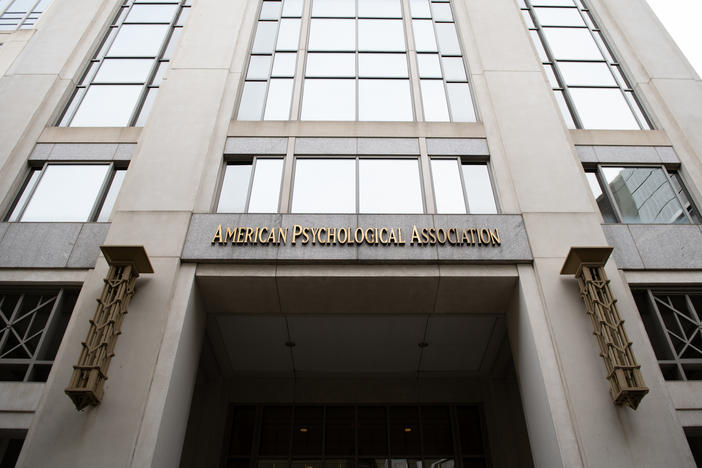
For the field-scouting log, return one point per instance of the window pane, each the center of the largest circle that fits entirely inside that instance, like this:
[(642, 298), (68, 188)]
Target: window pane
[(424, 40), (448, 190), (420, 9), (441, 11), (265, 191), (334, 8), (146, 108), (66, 192), (603, 109), (138, 40), (379, 9), (251, 105), (111, 196), (279, 98), (151, 14), (284, 64), (332, 34), (429, 66), (329, 100), (536, 40), (265, 37), (479, 189), (600, 198), (328, 65), (559, 17), (235, 187), (324, 186), (454, 69), (586, 74), (460, 102), (644, 195), (107, 106), (382, 65), (270, 10), (448, 39), (572, 43), (384, 100), (124, 71), (289, 34), (259, 67), (292, 7), (404, 195), (381, 35), (565, 112), (434, 101)]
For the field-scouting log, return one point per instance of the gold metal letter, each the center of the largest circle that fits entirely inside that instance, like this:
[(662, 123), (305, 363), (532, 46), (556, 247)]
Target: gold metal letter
[(218, 235)]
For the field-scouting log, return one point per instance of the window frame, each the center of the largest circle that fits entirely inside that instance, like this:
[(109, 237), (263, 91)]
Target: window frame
[(461, 161), (251, 160), (692, 215), (113, 167), (27, 17)]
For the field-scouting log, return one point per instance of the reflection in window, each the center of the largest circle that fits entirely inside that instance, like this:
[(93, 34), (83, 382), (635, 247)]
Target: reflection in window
[(351, 185), (462, 187), (641, 195), (251, 186), (120, 85), (588, 82), (21, 14), (356, 63), (68, 193)]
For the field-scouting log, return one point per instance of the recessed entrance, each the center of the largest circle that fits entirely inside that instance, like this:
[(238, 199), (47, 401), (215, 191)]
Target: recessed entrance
[(347, 436)]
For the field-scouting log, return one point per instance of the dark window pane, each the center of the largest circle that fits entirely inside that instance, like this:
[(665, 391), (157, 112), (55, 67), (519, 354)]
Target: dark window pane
[(307, 432), (243, 423), (436, 430), (275, 431), (404, 431), (470, 430), (340, 431), (372, 431)]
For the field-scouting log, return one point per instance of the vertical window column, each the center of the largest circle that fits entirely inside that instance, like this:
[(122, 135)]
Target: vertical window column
[(586, 78), (120, 85)]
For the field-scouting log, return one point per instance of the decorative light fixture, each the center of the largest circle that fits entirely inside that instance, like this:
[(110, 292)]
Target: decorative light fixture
[(626, 383), (303, 429), (408, 429)]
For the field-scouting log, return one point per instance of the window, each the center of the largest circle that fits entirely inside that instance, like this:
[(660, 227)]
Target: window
[(251, 186), (32, 322), (357, 185), (400, 436), (587, 79), (120, 85), (68, 193), (649, 195), (462, 187), (21, 14), (672, 321), (356, 63)]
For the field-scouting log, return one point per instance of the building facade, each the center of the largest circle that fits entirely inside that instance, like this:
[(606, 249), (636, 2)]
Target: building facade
[(368, 233)]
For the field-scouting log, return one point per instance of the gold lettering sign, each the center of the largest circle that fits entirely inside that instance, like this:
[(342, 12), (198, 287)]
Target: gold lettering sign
[(373, 236)]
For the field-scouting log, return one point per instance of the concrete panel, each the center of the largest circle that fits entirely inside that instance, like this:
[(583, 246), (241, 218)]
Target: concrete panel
[(457, 146), (407, 252), (316, 252), (553, 234), (38, 245), (667, 155), (586, 153), (254, 146), (87, 246), (329, 146), (20, 396), (514, 245), (382, 146), (625, 254), (627, 154), (83, 152), (161, 233), (41, 152), (3, 229), (668, 246), (124, 152)]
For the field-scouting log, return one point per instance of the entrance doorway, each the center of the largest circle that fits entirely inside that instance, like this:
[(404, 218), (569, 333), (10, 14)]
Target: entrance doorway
[(353, 436)]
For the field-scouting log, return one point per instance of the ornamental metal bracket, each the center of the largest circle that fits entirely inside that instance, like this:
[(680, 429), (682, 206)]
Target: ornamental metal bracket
[(89, 374), (623, 372)]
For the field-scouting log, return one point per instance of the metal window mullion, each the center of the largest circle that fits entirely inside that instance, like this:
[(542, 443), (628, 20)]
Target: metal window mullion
[(33, 190), (464, 185), (691, 308), (250, 186), (102, 194), (412, 62), (301, 57), (652, 303), (358, 185), (10, 320), (668, 175), (608, 193)]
